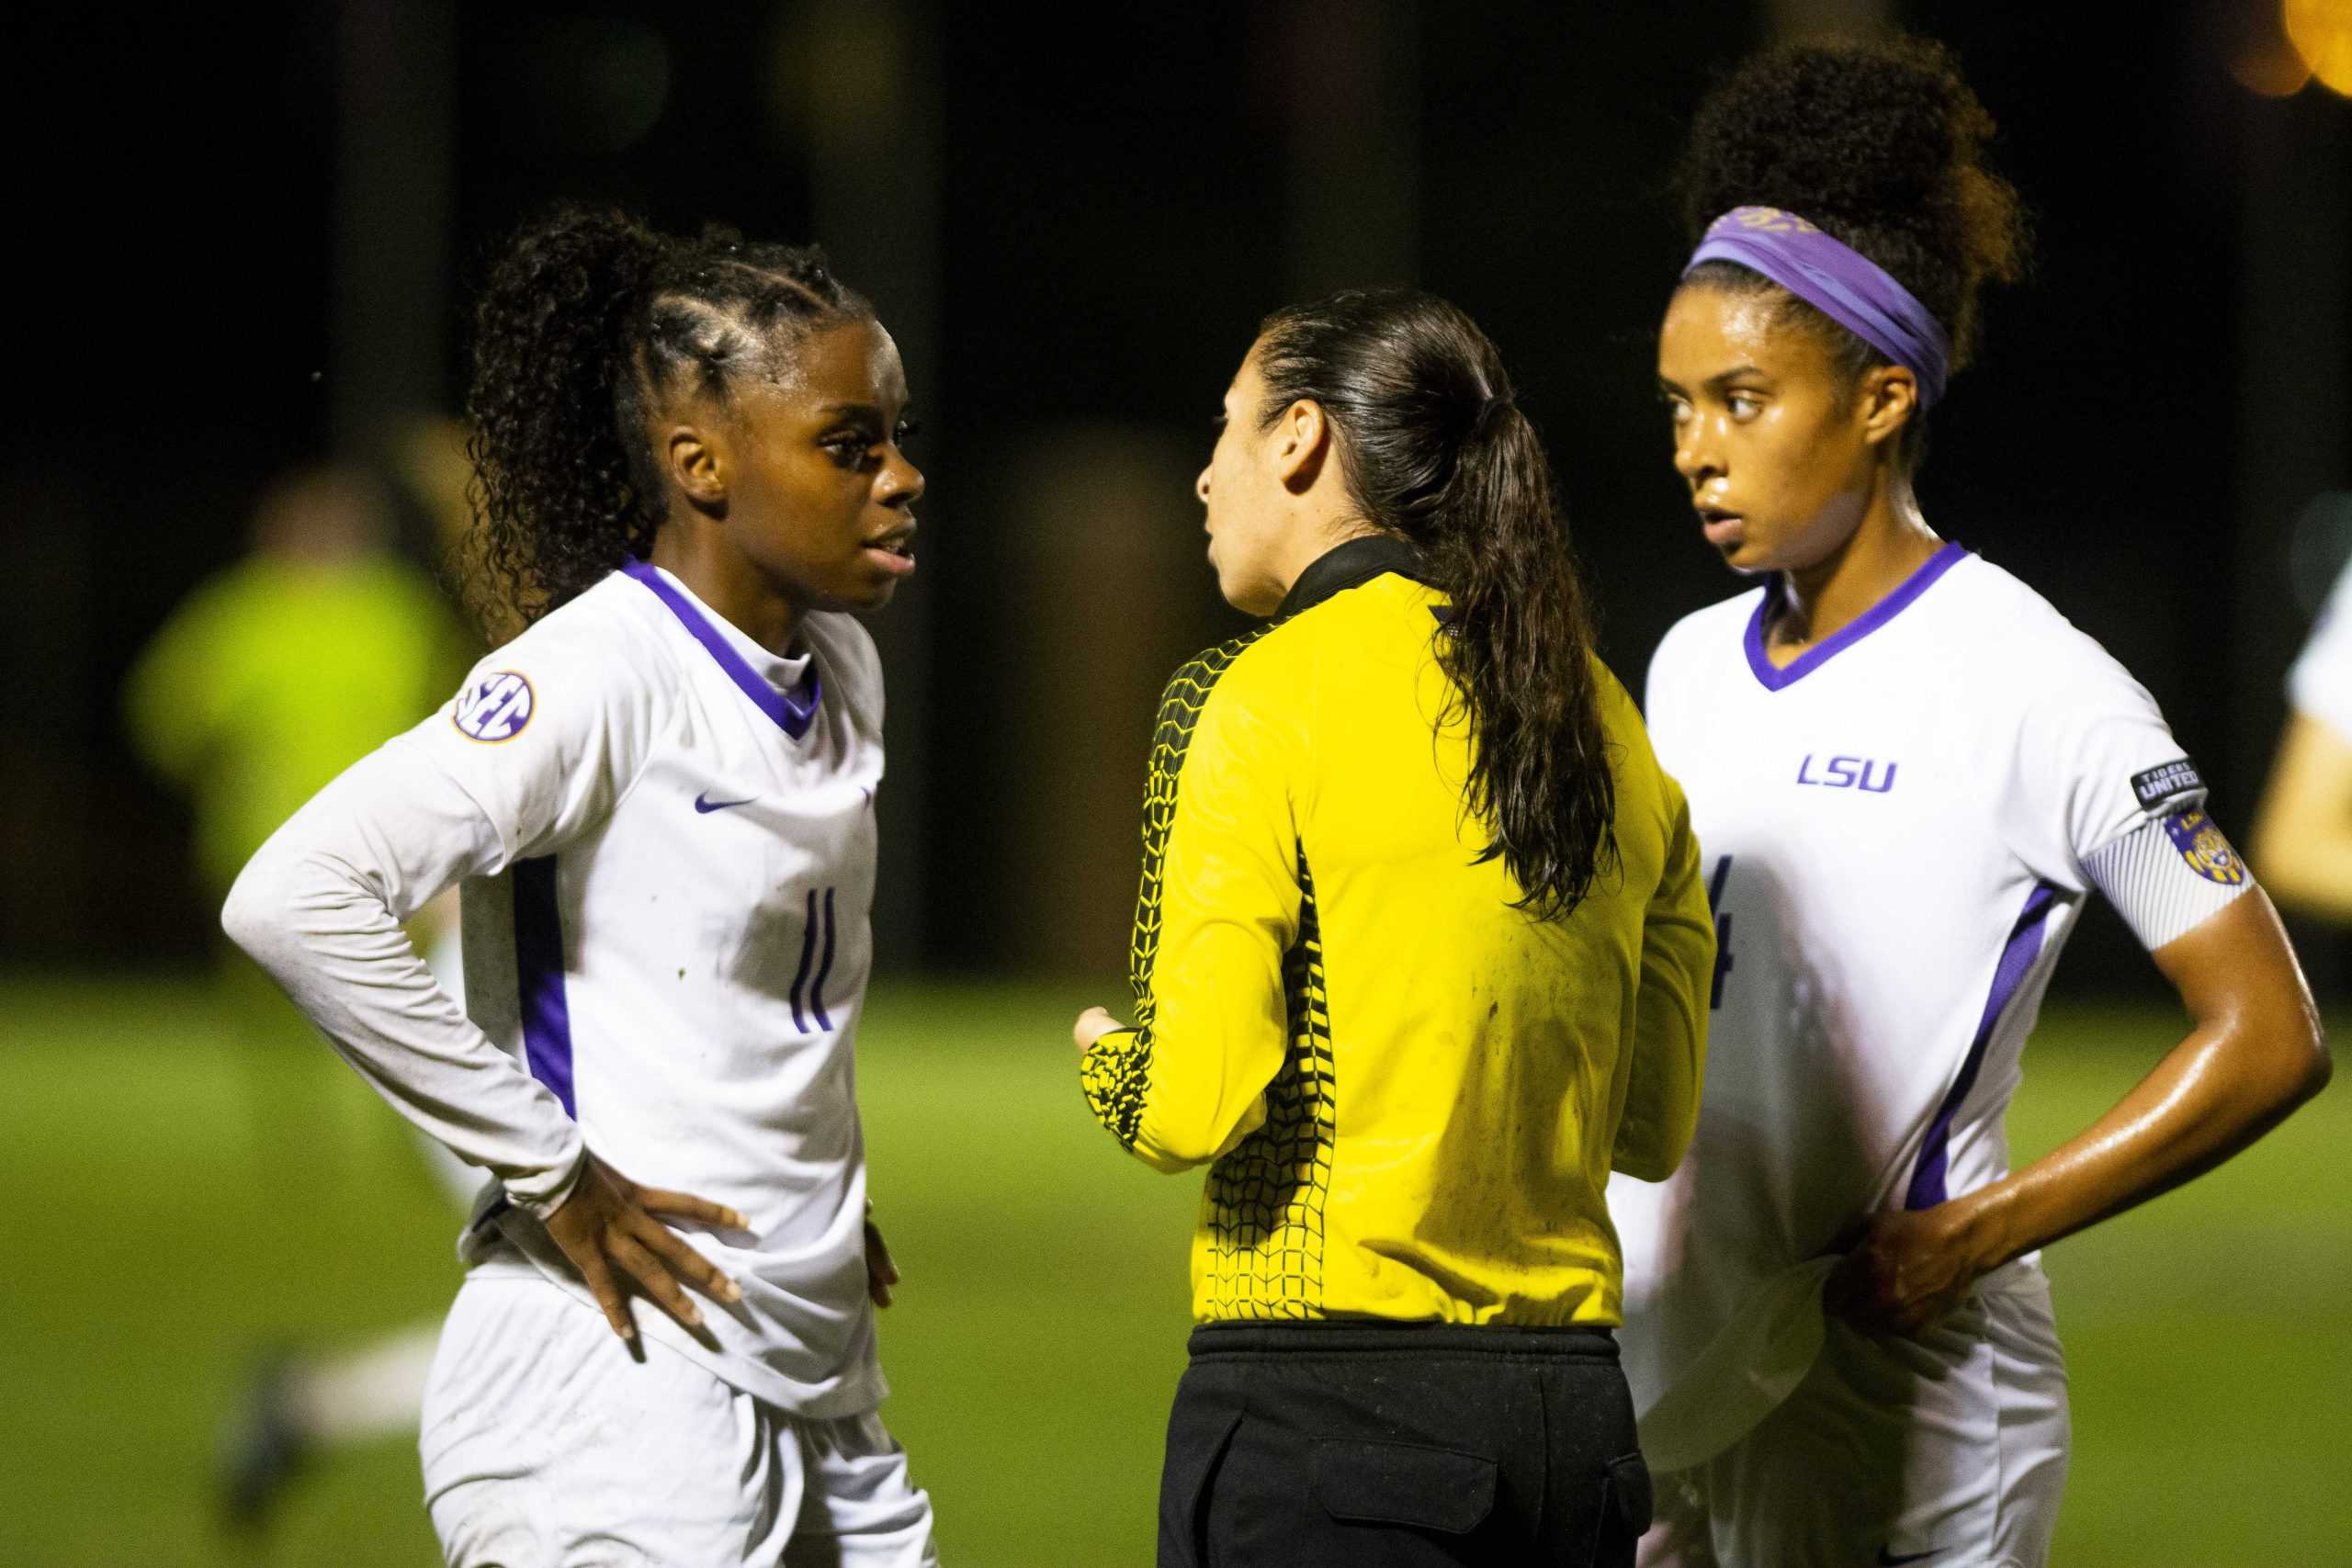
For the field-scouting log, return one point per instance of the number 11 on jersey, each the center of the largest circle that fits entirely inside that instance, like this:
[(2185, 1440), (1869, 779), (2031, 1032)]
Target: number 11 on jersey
[(1716, 881)]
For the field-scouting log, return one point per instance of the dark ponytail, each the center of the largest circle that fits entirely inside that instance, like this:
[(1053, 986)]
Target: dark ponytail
[(589, 324), (1435, 450)]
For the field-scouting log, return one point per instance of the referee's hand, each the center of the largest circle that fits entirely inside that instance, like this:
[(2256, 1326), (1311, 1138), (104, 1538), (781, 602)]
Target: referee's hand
[(607, 1227), (1093, 1025)]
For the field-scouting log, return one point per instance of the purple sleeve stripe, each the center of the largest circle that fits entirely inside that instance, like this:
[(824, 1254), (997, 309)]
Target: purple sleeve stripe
[(792, 711), (1774, 678), (2017, 962), (538, 971)]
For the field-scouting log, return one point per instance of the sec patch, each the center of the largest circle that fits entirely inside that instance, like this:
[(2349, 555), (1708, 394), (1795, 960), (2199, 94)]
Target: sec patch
[(2200, 843), (494, 708)]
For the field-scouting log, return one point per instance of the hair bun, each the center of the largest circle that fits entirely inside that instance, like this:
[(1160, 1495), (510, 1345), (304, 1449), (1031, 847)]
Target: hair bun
[(1882, 144)]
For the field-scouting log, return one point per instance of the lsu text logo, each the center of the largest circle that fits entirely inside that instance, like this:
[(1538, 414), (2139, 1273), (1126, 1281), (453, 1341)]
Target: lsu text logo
[(1847, 773), (2201, 845), (493, 709)]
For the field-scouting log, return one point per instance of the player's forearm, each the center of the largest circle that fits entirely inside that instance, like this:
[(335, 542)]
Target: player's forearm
[(1114, 1074), (1661, 1099), (2215, 1093), (336, 945), (1188, 1083), (1669, 1048), (1170, 1126)]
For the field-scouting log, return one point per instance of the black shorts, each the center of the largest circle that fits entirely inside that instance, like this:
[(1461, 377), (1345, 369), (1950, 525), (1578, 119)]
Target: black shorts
[(1363, 1446)]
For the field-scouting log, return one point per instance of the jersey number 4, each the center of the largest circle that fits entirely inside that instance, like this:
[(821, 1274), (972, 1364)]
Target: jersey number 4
[(1723, 931)]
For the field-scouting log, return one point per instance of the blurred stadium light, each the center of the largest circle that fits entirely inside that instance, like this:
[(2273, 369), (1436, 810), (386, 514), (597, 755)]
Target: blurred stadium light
[(2267, 64), (2320, 32), (2291, 44)]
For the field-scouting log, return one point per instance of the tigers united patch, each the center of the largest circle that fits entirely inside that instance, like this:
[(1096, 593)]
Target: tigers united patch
[(2200, 843), (2168, 784)]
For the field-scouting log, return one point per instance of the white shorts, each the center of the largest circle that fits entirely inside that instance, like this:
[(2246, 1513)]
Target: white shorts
[(1948, 1448), (547, 1444)]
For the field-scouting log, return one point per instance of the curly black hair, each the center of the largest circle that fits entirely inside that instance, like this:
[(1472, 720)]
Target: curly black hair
[(588, 324), (1882, 144)]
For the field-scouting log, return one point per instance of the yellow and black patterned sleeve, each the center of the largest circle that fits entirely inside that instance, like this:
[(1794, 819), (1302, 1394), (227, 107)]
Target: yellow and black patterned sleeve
[(1217, 909), (1669, 1044)]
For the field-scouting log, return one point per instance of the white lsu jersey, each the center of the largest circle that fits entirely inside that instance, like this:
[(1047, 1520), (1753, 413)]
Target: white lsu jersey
[(666, 836), (1895, 828)]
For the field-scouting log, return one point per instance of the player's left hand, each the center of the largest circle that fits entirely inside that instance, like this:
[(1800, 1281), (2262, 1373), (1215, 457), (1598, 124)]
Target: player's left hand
[(1902, 1270), (1093, 1025), (881, 1273)]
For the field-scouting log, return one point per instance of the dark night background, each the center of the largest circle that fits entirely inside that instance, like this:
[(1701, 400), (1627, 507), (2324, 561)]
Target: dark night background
[(245, 238)]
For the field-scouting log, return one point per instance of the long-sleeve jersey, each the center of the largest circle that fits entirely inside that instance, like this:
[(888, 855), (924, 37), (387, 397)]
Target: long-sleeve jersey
[(666, 837), (1409, 1093)]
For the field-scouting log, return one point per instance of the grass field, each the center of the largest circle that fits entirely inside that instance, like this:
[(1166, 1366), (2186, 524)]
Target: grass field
[(177, 1200)]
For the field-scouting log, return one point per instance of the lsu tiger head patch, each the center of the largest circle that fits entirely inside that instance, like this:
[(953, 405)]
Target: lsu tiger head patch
[(2200, 843)]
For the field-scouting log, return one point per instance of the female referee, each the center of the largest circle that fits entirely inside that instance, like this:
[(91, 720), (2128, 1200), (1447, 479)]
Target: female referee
[(1908, 772), (659, 796), (1422, 951)]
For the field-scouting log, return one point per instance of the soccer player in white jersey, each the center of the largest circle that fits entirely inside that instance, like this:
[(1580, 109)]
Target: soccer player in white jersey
[(2303, 834), (659, 798), (1907, 774)]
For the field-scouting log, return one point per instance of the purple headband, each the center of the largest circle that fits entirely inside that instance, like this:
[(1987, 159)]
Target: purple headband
[(1837, 280)]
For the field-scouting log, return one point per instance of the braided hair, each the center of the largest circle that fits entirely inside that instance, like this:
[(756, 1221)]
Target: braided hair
[(588, 324)]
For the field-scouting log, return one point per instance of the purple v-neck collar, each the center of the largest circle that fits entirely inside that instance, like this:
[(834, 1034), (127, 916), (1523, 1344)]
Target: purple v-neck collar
[(793, 711), (1774, 677)]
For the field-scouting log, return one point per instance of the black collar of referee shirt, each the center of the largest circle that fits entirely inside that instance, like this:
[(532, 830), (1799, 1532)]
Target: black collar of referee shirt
[(1351, 566)]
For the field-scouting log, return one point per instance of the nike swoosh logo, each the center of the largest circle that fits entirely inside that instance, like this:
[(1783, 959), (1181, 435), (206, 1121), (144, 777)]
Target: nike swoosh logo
[(704, 803), (1888, 1559)]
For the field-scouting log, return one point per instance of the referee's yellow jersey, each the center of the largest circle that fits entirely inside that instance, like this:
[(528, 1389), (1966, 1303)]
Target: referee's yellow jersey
[(1410, 1094)]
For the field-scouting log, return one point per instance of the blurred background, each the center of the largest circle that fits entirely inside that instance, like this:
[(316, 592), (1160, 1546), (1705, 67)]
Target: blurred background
[(249, 236)]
